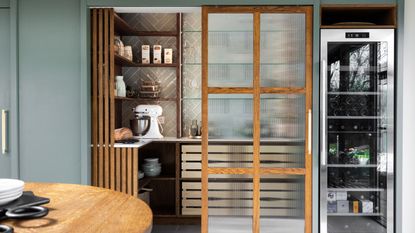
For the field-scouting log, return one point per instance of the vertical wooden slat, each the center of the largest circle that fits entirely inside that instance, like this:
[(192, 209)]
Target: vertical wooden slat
[(106, 100), (178, 74), (309, 89), (100, 100), (129, 171), (112, 101), (178, 170), (135, 172), (205, 212), (123, 170), (118, 169), (94, 121), (256, 124)]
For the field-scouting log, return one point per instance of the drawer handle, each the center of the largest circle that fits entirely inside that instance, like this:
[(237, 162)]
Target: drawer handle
[(4, 131)]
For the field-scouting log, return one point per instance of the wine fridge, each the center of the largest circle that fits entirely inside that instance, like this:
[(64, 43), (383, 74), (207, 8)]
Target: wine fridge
[(357, 131)]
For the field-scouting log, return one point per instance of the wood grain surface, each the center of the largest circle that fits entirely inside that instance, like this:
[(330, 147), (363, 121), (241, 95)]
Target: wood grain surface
[(78, 208)]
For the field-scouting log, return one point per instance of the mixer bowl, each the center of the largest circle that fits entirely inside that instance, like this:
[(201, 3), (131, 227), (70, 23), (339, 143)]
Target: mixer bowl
[(140, 125)]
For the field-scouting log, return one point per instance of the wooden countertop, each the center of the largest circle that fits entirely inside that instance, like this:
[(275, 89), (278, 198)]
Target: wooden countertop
[(79, 208)]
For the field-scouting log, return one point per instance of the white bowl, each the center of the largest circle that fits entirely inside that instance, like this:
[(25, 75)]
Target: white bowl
[(151, 160)]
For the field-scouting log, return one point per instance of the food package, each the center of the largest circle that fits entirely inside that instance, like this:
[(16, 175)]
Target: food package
[(145, 54), (157, 54), (168, 56)]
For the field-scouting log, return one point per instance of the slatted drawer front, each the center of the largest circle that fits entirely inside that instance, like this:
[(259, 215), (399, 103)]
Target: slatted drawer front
[(228, 156), (278, 198)]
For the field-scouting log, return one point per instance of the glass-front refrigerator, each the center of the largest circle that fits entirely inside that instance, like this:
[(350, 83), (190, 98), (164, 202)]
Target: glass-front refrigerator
[(357, 131)]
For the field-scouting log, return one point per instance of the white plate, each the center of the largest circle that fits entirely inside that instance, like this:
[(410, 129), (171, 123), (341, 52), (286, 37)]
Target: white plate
[(7, 195), (8, 185), (10, 199)]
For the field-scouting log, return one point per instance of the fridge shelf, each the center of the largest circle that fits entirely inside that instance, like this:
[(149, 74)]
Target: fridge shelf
[(353, 165), (354, 93), (354, 214), (355, 117), (351, 132), (356, 189)]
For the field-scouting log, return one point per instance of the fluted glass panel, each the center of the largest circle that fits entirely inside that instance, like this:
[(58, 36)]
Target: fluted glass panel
[(282, 130), (230, 50), (230, 116), (230, 204), (282, 204), (282, 50)]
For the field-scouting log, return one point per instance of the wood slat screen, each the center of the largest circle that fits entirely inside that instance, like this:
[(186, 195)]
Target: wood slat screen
[(102, 99)]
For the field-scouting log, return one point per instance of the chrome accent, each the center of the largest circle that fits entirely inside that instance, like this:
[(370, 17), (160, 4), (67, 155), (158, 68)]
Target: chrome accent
[(4, 125), (323, 146)]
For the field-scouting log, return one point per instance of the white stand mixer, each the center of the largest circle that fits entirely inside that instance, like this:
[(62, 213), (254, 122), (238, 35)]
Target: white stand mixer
[(153, 112)]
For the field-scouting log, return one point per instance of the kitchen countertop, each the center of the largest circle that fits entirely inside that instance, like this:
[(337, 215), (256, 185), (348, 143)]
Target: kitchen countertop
[(144, 142)]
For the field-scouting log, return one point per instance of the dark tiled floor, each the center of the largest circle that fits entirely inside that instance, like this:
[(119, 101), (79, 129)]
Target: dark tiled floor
[(176, 229)]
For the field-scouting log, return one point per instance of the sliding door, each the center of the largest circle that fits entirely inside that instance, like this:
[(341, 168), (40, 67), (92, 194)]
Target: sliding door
[(256, 102)]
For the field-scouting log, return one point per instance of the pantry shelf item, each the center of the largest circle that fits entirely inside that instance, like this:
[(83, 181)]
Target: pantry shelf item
[(120, 86)]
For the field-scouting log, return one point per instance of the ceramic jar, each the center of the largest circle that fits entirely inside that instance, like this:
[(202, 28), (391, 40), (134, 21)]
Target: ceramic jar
[(120, 86)]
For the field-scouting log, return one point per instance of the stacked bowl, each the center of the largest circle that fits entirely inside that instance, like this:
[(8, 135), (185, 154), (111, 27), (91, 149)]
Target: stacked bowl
[(10, 190), (151, 167)]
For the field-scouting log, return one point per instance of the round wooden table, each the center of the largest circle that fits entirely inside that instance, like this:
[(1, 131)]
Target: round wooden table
[(79, 208)]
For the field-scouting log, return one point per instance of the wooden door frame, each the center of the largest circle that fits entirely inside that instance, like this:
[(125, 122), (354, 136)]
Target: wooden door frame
[(257, 90)]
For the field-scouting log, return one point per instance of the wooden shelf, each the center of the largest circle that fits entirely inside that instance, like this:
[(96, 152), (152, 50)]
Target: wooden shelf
[(156, 33), (124, 29), (122, 61), (124, 98), (376, 15), (357, 26), (143, 99)]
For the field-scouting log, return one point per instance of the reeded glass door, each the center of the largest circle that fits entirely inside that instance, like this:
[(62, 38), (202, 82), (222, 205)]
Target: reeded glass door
[(357, 131), (256, 115)]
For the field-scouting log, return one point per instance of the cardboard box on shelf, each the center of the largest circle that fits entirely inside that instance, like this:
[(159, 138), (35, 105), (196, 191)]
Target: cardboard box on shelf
[(341, 196), (332, 207), (331, 196), (367, 206), (343, 207)]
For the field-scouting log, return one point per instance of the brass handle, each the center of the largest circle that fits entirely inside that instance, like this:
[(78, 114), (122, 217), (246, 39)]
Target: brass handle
[(4, 142), (309, 131)]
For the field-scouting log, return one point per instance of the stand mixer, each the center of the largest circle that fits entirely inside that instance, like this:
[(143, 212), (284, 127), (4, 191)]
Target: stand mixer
[(146, 124)]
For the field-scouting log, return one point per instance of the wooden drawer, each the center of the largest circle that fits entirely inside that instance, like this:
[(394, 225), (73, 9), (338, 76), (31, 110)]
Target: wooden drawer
[(235, 198), (225, 156)]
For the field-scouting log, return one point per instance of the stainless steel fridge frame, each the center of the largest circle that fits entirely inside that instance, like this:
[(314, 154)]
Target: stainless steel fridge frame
[(338, 35)]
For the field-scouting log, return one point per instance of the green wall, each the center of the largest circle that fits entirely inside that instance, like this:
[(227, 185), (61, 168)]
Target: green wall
[(49, 90)]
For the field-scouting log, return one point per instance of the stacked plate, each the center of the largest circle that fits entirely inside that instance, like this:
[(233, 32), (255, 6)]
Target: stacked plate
[(10, 190)]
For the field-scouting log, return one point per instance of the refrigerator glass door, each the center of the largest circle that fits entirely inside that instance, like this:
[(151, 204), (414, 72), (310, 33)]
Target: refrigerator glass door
[(357, 131)]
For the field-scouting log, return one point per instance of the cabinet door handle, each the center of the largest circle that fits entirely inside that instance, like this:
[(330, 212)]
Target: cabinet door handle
[(323, 96), (4, 125), (309, 131)]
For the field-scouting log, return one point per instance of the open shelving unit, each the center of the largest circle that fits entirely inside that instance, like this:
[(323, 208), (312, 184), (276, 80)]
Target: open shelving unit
[(123, 29)]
